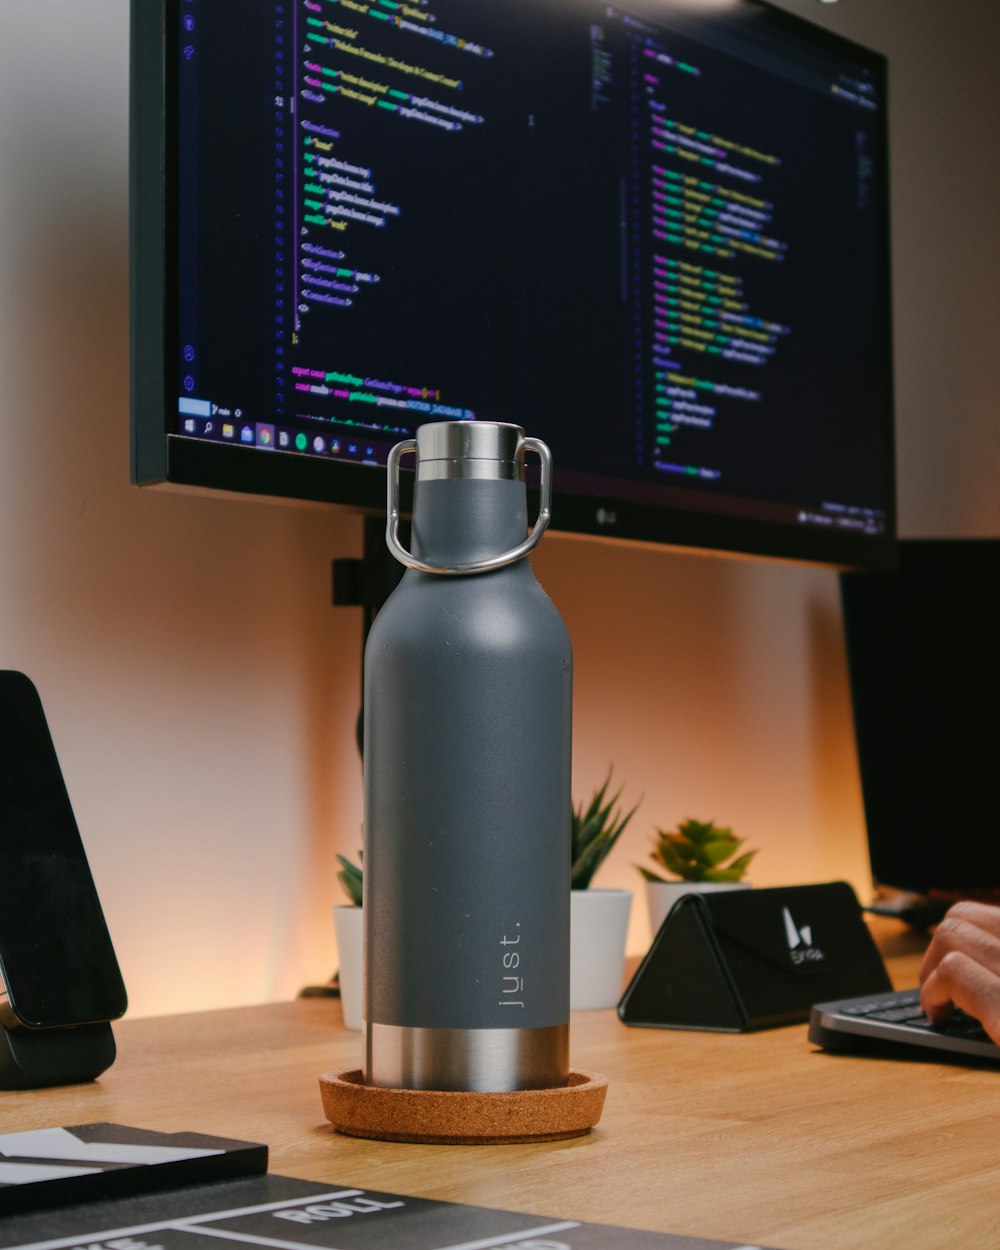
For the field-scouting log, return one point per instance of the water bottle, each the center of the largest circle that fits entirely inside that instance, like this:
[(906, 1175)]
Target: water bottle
[(468, 688)]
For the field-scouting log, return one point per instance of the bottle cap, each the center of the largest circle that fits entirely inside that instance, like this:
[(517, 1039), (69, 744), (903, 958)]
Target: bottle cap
[(480, 449), (469, 449)]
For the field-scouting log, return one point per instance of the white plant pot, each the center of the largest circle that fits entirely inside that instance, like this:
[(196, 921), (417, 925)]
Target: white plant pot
[(598, 928), (661, 896), (349, 927)]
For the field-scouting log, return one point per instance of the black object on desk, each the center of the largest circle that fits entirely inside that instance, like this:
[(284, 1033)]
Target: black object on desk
[(270, 1210), (42, 1169), (752, 959), (38, 1058), (60, 984)]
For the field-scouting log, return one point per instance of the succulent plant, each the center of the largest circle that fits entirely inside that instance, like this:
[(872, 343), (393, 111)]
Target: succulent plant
[(351, 877), (595, 831), (697, 851)]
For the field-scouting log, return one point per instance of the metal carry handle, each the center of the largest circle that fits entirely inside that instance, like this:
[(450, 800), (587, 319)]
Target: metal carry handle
[(477, 566)]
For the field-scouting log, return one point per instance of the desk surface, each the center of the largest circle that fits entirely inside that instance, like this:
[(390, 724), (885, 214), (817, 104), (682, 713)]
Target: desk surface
[(756, 1138)]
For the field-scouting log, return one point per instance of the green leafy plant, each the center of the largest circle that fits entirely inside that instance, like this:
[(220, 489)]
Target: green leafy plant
[(351, 877), (595, 831), (697, 851)]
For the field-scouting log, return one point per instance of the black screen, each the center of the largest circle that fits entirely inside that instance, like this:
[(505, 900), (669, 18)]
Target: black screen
[(656, 240), (925, 684), (56, 958)]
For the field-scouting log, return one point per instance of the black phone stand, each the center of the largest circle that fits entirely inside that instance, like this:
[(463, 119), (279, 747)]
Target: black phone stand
[(37, 1058)]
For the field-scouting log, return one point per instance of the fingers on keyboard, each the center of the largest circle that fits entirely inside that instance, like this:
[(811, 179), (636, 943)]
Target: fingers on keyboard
[(972, 928), (959, 980)]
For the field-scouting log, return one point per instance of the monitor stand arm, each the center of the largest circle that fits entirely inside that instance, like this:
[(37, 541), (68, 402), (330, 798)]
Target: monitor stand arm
[(363, 583), (366, 583)]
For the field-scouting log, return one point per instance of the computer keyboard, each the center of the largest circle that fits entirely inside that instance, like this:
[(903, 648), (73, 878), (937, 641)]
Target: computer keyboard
[(897, 1017)]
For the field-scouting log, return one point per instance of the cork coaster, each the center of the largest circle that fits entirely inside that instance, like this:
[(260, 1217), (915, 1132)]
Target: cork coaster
[(459, 1118)]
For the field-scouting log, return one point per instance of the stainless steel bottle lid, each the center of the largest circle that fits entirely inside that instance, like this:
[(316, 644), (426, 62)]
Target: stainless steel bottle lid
[(468, 449), (480, 449)]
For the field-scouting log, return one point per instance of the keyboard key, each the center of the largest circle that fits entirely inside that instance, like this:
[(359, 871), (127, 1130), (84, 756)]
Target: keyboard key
[(971, 1030), (867, 1007)]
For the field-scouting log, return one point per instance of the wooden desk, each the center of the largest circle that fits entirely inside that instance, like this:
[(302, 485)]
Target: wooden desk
[(756, 1138)]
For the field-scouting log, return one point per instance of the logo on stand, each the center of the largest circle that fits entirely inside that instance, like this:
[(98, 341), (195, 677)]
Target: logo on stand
[(800, 941)]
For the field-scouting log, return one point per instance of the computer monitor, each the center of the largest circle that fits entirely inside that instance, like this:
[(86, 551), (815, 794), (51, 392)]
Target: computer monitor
[(654, 233), (925, 682)]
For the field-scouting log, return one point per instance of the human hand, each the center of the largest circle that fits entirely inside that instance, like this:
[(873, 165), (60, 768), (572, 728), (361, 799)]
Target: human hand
[(962, 967)]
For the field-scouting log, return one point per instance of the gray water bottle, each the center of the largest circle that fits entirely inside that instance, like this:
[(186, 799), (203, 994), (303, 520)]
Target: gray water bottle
[(468, 689)]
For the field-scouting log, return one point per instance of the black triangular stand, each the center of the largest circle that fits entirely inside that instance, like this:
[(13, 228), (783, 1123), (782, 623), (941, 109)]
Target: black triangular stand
[(752, 959), (683, 983)]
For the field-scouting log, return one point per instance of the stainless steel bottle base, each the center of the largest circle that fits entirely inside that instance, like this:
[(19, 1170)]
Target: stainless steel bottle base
[(485, 1060)]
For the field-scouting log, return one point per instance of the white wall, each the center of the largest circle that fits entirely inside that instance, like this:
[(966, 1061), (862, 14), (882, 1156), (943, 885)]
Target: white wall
[(201, 691)]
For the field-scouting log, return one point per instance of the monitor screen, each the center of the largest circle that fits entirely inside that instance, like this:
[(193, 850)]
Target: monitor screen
[(652, 233), (925, 685)]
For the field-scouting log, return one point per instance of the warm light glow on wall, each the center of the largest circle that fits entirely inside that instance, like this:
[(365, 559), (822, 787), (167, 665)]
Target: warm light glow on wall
[(717, 689)]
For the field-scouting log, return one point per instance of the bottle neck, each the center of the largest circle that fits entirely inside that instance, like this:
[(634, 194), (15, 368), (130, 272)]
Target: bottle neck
[(461, 520)]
